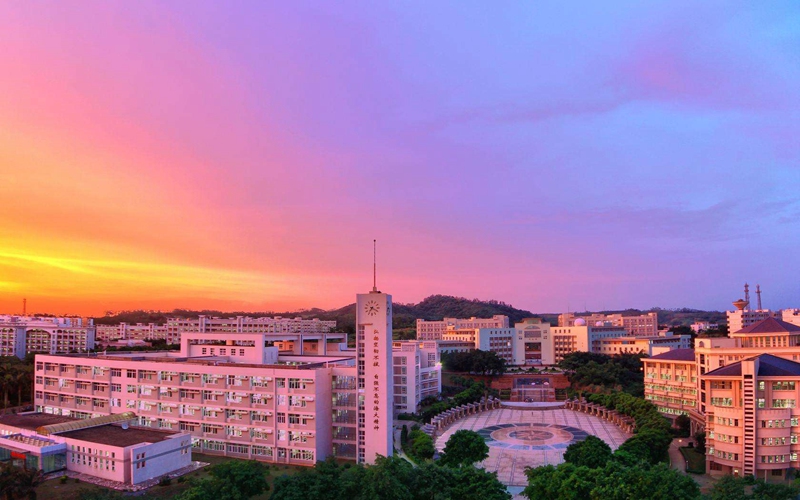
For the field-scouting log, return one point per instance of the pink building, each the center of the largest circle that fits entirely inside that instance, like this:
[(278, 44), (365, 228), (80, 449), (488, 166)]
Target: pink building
[(248, 395)]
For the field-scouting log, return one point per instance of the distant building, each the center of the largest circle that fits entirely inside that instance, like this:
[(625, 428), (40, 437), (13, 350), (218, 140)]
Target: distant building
[(791, 316), (699, 326), (499, 340), (644, 325), (433, 330), (531, 334), (21, 335), (563, 340)]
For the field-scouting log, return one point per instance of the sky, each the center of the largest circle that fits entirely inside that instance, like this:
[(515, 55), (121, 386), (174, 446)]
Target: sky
[(244, 155)]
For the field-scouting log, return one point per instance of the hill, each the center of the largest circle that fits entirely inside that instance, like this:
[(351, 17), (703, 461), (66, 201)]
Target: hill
[(405, 316), (434, 307)]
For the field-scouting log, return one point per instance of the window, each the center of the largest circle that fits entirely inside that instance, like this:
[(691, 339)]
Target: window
[(281, 418)]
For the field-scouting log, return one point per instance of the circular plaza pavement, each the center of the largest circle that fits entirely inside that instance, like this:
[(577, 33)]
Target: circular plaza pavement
[(530, 438)]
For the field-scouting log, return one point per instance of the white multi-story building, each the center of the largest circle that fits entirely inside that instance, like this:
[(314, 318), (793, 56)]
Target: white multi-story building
[(20, 335), (499, 340), (699, 326), (433, 330), (791, 316), (644, 345), (144, 332), (563, 340), (244, 394), (531, 333), (643, 325), (174, 327), (417, 373)]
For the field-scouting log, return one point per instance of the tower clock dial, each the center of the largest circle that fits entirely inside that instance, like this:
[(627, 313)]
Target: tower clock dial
[(372, 308)]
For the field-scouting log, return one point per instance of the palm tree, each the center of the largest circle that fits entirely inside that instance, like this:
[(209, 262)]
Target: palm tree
[(7, 480), (21, 376), (26, 482)]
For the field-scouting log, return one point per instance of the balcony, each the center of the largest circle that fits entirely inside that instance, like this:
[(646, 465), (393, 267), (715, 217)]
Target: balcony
[(195, 382), (219, 417)]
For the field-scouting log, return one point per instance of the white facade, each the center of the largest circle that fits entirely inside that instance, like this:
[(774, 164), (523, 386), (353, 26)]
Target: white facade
[(417, 373), (740, 319), (563, 340), (643, 325), (433, 330), (502, 341), (530, 336), (20, 335), (375, 383), (791, 316)]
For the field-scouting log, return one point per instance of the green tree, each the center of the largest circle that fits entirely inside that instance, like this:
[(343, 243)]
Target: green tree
[(420, 445), (592, 452), (683, 423), (464, 448), (472, 483), (233, 480), (728, 488)]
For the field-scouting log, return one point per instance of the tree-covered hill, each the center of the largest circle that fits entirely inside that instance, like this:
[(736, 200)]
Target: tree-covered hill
[(434, 307)]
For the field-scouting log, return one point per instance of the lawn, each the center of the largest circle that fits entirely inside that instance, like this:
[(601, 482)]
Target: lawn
[(696, 460), (72, 490)]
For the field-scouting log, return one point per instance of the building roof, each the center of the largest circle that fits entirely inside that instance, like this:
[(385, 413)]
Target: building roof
[(768, 366), (32, 421), (771, 325), (675, 355), (116, 435), (85, 423)]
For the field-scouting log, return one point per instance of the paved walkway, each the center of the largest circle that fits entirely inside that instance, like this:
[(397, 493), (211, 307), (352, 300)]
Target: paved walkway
[(678, 463), (541, 439)]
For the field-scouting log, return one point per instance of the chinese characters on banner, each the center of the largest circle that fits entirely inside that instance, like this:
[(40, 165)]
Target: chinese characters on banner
[(376, 384)]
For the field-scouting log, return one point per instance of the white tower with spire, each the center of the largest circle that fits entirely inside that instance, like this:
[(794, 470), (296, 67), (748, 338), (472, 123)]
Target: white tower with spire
[(375, 383)]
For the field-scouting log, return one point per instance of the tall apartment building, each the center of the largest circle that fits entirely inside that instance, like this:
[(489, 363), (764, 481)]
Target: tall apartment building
[(20, 335), (433, 330), (243, 394), (416, 372), (644, 325), (746, 396)]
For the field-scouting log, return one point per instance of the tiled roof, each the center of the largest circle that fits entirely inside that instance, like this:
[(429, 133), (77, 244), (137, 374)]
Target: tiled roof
[(770, 325), (676, 355), (768, 366)]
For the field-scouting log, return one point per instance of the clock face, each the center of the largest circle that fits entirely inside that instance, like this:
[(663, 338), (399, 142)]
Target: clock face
[(372, 308)]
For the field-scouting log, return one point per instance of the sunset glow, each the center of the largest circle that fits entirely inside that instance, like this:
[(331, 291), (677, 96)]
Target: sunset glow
[(244, 156)]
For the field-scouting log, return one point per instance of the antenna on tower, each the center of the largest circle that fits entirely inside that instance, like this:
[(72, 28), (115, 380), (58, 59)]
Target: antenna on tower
[(758, 293), (24, 307), (747, 295), (374, 265)]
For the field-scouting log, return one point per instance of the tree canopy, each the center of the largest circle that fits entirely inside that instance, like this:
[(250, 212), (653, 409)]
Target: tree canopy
[(233, 480), (475, 361), (390, 478), (464, 447), (592, 452), (614, 481)]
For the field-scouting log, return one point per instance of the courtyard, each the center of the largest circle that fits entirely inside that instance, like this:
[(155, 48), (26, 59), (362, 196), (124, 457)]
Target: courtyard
[(520, 438)]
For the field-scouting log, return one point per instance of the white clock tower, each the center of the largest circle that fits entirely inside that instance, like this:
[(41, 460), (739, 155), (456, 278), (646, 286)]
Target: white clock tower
[(375, 387)]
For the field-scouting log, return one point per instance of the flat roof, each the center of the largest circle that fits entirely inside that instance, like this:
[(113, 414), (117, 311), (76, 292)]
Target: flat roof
[(115, 435), (32, 421)]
